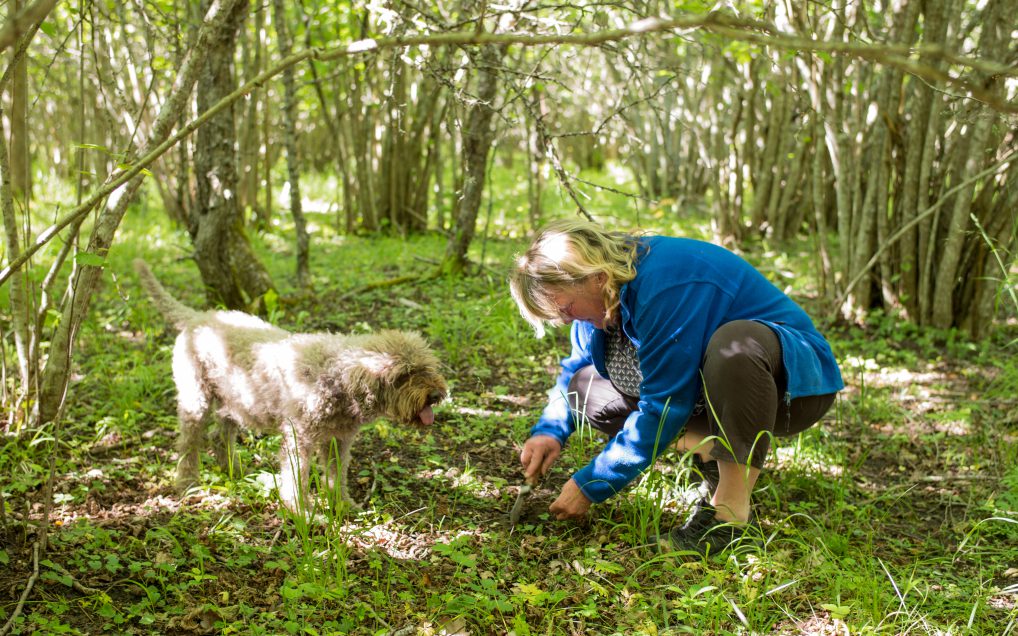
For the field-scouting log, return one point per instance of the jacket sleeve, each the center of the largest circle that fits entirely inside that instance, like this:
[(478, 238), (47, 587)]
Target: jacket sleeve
[(557, 419), (673, 327)]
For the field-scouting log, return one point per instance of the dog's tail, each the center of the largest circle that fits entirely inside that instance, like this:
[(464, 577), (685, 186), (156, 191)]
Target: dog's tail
[(175, 311)]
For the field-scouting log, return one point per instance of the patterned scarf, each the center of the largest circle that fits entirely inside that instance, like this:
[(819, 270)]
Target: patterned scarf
[(622, 363)]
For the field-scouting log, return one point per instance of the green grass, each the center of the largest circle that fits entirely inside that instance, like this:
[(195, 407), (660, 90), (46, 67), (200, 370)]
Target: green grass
[(896, 515)]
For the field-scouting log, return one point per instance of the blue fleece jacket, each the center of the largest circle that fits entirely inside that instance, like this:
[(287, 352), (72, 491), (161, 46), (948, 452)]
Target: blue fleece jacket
[(683, 291)]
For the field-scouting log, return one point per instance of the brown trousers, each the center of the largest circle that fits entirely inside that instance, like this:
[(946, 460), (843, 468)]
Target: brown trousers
[(741, 402)]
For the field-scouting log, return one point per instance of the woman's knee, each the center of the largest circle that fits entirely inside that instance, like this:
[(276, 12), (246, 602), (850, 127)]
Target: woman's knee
[(597, 402), (583, 380), (742, 349)]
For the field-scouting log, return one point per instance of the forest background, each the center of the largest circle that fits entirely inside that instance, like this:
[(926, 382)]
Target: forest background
[(348, 167)]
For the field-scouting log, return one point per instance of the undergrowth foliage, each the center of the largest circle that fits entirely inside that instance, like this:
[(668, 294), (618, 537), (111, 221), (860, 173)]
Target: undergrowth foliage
[(898, 513)]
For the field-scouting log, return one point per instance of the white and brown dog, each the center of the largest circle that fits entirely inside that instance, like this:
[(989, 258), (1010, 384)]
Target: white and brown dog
[(313, 388)]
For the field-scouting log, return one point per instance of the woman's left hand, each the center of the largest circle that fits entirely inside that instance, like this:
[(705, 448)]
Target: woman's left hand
[(571, 503)]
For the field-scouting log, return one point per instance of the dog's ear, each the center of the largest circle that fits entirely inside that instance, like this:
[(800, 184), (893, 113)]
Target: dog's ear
[(389, 369)]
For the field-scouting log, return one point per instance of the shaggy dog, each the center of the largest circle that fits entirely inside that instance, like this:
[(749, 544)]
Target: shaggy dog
[(313, 388)]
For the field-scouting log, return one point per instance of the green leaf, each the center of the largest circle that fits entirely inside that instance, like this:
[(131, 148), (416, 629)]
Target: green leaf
[(48, 29), (127, 166), (466, 560), (4, 558), (87, 258), (608, 567), (837, 611)]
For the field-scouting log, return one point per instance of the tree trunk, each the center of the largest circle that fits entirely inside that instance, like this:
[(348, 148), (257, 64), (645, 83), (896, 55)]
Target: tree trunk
[(420, 154), (20, 306), (20, 152), (362, 133), (86, 279), (477, 139), (232, 274), (19, 296), (391, 204), (250, 140), (769, 167), (290, 137), (338, 132), (992, 42), (997, 255), (918, 128), (928, 233)]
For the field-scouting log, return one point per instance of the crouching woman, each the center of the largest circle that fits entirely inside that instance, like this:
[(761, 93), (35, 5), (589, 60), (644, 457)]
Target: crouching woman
[(672, 339)]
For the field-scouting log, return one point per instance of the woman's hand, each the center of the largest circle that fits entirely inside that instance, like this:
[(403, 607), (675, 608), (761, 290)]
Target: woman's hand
[(537, 456), (571, 503)]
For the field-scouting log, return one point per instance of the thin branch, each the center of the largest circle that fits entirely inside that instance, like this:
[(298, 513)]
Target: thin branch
[(896, 56), (605, 188), (389, 282), (24, 595), (81, 587), (24, 20)]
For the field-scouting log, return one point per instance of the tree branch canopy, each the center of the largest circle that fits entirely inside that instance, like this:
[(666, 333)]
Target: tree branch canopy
[(898, 56)]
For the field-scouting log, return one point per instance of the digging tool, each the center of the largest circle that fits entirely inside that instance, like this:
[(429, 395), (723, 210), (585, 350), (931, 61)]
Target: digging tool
[(525, 490)]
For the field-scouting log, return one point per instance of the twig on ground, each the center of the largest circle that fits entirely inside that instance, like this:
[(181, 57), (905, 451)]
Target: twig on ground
[(390, 282), (24, 595), (84, 589), (940, 478), (409, 303)]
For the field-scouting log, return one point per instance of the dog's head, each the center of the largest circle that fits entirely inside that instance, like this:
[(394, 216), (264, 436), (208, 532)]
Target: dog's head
[(411, 383), (416, 394)]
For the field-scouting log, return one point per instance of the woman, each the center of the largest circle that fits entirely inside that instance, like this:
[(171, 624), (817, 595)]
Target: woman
[(669, 335)]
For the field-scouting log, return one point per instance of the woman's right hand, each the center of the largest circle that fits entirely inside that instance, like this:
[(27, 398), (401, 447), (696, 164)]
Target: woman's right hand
[(537, 456)]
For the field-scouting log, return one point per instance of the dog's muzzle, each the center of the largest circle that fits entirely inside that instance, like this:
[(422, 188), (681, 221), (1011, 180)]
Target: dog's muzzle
[(427, 416)]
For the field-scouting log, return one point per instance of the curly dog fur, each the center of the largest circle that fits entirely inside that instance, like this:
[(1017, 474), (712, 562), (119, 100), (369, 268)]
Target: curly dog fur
[(313, 388)]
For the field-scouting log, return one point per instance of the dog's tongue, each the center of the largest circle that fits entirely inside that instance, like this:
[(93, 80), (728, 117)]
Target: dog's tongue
[(427, 416)]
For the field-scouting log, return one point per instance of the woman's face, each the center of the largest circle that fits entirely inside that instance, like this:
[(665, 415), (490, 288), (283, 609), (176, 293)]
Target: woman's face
[(582, 301)]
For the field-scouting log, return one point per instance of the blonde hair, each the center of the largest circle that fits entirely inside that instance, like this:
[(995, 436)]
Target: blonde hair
[(566, 253)]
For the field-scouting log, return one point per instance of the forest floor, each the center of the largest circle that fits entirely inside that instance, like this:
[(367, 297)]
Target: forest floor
[(898, 513)]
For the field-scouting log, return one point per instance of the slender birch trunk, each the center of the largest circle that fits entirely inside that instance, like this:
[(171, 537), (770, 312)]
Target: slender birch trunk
[(290, 140)]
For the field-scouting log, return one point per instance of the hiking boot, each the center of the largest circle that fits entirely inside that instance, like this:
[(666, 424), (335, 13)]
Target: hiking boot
[(704, 533)]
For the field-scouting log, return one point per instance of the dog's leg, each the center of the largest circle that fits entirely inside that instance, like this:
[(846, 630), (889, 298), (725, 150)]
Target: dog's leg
[(294, 470), (190, 442), (345, 444), (224, 444), (193, 410), (328, 459)]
